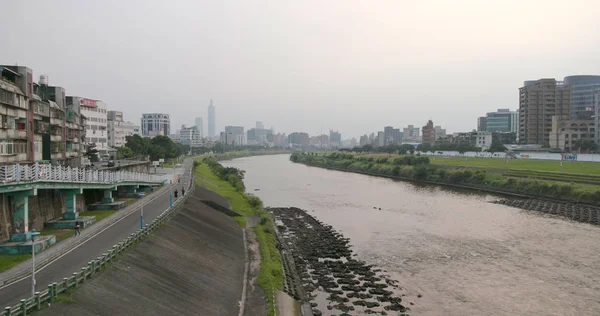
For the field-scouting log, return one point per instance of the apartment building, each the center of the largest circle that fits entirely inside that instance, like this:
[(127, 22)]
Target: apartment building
[(539, 101), (118, 129), (96, 133), (428, 133), (190, 136), (54, 130)]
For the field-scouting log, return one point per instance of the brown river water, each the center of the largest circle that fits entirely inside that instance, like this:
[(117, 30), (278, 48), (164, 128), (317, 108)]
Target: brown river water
[(466, 256)]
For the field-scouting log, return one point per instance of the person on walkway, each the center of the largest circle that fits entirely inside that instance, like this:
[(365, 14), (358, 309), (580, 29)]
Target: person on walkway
[(182, 191), (175, 194), (77, 229)]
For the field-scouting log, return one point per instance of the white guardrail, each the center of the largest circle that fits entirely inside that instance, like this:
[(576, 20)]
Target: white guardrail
[(47, 172)]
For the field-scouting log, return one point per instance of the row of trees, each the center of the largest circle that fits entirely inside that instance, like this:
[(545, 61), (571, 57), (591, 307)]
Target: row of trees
[(157, 147), (407, 148)]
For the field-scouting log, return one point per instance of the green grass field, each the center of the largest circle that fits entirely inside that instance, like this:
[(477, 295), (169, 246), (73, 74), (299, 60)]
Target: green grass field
[(270, 274), (577, 167)]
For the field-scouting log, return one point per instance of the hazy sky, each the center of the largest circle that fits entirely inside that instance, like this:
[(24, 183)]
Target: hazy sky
[(301, 65)]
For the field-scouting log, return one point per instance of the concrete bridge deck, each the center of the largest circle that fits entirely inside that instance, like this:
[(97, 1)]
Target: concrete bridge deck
[(19, 182)]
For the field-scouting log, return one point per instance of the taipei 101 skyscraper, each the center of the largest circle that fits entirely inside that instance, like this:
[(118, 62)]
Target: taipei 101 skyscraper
[(211, 119)]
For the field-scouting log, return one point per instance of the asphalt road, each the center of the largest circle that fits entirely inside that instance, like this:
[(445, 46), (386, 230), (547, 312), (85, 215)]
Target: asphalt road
[(91, 249)]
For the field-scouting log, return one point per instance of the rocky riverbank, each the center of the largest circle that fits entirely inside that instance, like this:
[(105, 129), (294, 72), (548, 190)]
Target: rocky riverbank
[(332, 279), (576, 212)]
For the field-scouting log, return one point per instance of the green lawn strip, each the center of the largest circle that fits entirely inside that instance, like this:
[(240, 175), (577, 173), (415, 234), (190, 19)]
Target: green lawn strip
[(549, 184), (270, 275), (576, 167), (9, 261), (60, 234)]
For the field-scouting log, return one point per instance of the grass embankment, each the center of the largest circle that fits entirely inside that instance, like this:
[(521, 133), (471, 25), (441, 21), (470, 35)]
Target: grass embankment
[(540, 184), (228, 182), (9, 261), (249, 153), (574, 167)]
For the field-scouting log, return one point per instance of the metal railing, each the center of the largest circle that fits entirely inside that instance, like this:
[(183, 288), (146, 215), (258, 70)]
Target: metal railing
[(13, 174), (49, 295)]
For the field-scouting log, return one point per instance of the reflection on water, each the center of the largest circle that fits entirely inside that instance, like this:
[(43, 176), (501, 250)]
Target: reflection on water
[(464, 255)]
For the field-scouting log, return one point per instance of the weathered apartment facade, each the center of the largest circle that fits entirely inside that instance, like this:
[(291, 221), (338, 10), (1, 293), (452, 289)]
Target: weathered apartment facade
[(37, 122)]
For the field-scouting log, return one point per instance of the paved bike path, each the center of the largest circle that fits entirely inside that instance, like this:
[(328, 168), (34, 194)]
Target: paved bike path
[(79, 257)]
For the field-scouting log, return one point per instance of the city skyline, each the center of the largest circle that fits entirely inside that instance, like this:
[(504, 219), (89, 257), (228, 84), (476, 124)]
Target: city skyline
[(401, 70)]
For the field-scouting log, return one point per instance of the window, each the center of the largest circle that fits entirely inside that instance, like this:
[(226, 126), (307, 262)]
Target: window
[(11, 122)]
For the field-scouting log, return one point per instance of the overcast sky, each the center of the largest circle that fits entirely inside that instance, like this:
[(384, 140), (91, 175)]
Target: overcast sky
[(355, 66)]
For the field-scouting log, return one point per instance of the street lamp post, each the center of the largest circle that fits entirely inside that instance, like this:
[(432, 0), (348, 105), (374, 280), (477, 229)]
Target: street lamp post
[(33, 234), (142, 216)]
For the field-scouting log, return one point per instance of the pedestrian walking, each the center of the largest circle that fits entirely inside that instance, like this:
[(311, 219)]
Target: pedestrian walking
[(182, 191), (175, 194), (77, 229)]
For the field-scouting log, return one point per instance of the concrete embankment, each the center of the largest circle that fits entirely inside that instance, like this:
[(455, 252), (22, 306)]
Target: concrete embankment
[(194, 265)]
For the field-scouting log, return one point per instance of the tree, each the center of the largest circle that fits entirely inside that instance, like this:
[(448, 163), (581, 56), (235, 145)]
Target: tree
[(138, 144), (124, 152), (92, 153), (586, 145), (497, 147), (425, 147)]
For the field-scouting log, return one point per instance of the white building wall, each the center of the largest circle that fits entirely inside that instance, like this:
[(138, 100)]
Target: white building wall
[(118, 132), (96, 124), (483, 140)]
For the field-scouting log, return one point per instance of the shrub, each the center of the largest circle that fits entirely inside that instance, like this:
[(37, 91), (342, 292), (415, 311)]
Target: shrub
[(420, 172)]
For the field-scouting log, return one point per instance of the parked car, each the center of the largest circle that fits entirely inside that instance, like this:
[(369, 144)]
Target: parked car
[(111, 163)]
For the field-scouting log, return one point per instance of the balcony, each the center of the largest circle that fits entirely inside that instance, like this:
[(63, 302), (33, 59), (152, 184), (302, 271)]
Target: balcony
[(16, 134), (56, 121), (56, 138)]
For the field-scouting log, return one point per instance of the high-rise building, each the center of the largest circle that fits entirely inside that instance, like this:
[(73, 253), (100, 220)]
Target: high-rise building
[(154, 124), (200, 126), (335, 138), (299, 140), (260, 125), (96, 130), (503, 120), (364, 140), (410, 133), (256, 136), (439, 132), (118, 129), (481, 124), (380, 139), (583, 90), (211, 119), (539, 101), (428, 133), (235, 131), (190, 136)]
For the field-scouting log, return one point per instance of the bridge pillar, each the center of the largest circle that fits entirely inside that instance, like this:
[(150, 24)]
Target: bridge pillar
[(20, 227), (70, 202), (108, 198)]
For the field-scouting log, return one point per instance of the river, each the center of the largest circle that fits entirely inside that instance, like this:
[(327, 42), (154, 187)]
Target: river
[(464, 255)]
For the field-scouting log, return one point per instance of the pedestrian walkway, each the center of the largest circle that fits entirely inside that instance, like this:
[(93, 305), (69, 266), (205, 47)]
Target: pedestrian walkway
[(24, 268)]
